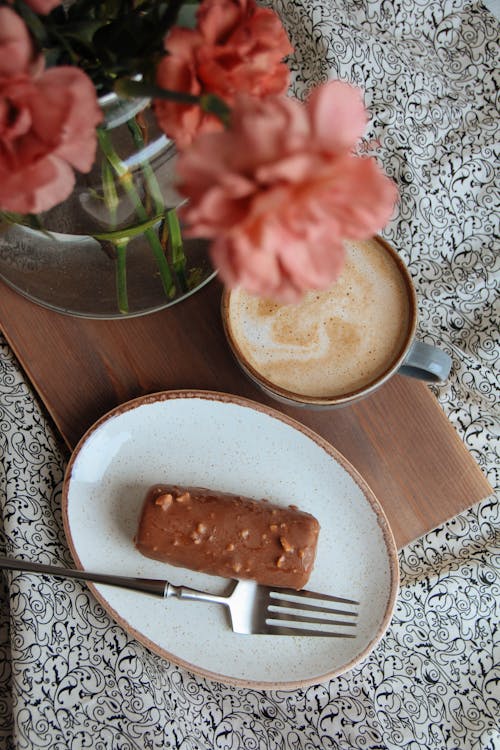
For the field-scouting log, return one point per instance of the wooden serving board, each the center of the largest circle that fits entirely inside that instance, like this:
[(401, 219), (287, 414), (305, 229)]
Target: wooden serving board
[(399, 439)]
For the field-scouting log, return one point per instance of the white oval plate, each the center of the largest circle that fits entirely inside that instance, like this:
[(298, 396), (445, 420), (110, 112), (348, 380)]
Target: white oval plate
[(230, 444)]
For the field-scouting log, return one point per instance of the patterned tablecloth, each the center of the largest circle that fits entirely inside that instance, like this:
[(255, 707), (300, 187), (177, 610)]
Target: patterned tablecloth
[(71, 678)]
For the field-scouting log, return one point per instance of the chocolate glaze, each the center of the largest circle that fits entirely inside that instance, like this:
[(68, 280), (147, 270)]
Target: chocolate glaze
[(228, 535)]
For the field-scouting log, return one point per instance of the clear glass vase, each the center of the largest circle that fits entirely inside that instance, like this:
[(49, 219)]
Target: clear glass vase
[(114, 248)]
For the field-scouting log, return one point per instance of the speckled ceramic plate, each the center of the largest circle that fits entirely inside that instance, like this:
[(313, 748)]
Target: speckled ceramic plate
[(235, 445)]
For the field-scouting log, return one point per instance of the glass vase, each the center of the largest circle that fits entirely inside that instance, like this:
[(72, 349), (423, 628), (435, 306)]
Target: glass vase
[(115, 247)]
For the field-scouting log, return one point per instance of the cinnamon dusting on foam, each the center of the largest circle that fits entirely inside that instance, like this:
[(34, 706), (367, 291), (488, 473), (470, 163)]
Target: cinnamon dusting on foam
[(332, 342)]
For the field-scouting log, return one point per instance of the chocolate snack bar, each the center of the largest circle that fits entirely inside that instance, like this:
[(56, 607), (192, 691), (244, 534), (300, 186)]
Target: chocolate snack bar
[(228, 535)]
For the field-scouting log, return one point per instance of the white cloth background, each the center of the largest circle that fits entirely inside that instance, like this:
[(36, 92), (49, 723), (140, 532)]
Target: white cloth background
[(71, 678)]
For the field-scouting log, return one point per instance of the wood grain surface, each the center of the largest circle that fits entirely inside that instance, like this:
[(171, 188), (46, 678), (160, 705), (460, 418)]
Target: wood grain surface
[(399, 439)]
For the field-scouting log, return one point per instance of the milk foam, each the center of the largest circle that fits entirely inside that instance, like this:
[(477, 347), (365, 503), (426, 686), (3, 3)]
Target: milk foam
[(332, 342)]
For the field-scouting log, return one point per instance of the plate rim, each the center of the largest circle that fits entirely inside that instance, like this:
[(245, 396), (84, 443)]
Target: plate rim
[(223, 397)]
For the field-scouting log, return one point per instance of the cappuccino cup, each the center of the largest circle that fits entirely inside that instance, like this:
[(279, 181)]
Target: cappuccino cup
[(337, 346)]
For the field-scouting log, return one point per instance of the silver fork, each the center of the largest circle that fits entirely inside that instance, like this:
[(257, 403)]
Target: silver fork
[(253, 608)]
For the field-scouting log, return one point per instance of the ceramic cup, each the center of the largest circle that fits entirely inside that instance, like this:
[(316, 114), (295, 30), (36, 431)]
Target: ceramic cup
[(337, 346)]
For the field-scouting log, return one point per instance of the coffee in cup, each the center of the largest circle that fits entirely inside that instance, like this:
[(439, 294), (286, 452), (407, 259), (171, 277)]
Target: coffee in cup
[(335, 346)]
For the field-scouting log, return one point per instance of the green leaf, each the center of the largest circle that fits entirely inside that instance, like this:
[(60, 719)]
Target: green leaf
[(82, 31)]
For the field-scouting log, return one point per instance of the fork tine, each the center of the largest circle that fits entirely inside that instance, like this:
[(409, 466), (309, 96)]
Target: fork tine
[(286, 604), (288, 614), (305, 593), (282, 630), (273, 615)]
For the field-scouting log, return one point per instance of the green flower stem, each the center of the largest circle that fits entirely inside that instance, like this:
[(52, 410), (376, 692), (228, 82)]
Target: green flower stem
[(165, 274), (131, 89), (111, 198), (121, 274), (208, 102), (151, 181), (130, 232), (178, 256), (113, 158), (33, 221), (126, 179), (214, 105)]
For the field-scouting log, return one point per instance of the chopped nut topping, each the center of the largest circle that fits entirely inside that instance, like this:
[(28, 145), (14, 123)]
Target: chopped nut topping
[(263, 536), (286, 544), (293, 507), (280, 561), (195, 537), (176, 542), (201, 528), (274, 527), (164, 501), (244, 533), (301, 553), (183, 498), (230, 547), (237, 567), (274, 512)]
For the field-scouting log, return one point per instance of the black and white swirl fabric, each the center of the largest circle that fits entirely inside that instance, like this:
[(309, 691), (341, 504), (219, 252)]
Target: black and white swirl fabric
[(71, 678)]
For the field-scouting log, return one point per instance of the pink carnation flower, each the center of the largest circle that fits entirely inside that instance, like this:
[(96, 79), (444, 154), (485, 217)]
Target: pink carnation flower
[(47, 124), (237, 47), (282, 188)]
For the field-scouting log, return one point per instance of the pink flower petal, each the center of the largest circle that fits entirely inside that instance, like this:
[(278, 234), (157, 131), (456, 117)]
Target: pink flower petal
[(66, 113), (180, 121), (236, 48), (271, 127), (37, 187), (181, 44), (47, 126), (338, 116), (363, 200), (217, 18), (15, 118), (281, 189), (295, 168), (16, 49)]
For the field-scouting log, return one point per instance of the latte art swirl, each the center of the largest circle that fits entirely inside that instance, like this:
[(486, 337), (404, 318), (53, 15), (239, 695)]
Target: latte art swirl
[(332, 342)]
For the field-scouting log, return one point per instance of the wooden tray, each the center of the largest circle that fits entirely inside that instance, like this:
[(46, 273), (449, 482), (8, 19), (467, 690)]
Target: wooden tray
[(399, 439)]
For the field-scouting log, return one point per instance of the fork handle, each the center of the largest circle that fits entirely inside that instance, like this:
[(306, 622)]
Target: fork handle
[(183, 592), (163, 589), (145, 585)]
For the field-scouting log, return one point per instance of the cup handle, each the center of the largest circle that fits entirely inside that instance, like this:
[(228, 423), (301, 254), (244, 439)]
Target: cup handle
[(426, 362)]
